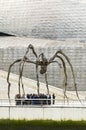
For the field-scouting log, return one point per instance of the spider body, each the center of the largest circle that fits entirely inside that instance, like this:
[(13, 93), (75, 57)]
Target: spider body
[(43, 62), (43, 70)]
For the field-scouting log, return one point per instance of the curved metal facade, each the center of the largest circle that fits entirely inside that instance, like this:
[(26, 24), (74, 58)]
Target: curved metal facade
[(44, 18), (50, 19)]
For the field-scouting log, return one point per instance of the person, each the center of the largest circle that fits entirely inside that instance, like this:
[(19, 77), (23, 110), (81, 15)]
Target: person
[(53, 96), (48, 99), (18, 99), (25, 100)]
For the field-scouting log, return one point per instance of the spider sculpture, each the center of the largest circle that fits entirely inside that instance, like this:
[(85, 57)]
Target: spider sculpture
[(43, 62)]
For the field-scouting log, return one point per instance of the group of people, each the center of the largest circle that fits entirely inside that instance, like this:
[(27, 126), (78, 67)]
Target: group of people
[(35, 99)]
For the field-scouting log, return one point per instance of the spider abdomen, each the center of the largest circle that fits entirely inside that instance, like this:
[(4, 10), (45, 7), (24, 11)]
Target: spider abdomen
[(43, 69)]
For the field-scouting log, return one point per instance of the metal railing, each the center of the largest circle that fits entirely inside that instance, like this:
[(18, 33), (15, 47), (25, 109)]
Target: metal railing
[(42, 102)]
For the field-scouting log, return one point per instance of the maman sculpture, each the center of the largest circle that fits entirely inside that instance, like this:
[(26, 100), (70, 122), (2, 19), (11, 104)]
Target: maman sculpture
[(43, 62)]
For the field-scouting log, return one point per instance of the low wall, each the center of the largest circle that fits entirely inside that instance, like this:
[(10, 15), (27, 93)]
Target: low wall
[(43, 112)]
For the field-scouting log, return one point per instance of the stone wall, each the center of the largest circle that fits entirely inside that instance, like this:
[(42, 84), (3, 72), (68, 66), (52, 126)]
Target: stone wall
[(43, 113)]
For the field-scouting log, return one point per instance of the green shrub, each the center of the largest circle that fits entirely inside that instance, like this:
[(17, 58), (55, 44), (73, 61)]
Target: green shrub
[(42, 125)]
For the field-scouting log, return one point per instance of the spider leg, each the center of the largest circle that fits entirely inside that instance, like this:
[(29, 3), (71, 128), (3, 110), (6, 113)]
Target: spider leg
[(33, 50), (55, 62), (65, 75), (68, 60), (20, 82), (65, 78), (66, 57), (8, 75), (21, 67), (37, 76), (46, 83)]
